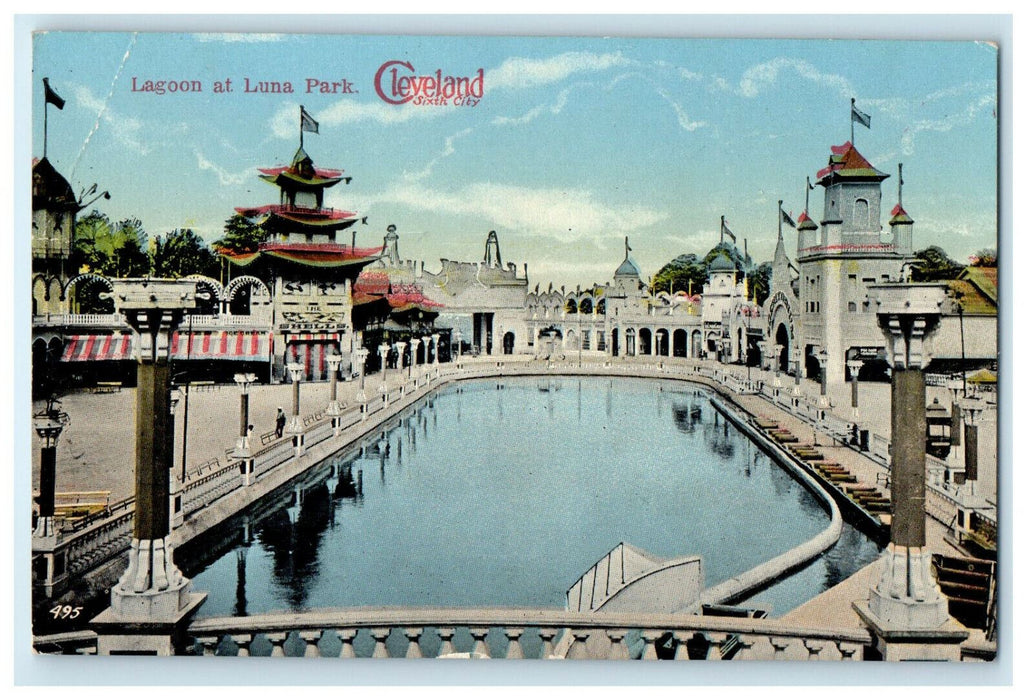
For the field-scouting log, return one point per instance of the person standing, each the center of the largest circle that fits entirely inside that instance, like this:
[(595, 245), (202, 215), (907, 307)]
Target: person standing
[(281, 421)]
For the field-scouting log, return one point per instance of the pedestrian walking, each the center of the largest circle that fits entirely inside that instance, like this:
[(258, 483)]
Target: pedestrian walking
[(281, 421)]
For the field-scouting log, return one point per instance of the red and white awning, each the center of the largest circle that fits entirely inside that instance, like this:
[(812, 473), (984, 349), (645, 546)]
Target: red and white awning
[(222, 345), (83, 348)]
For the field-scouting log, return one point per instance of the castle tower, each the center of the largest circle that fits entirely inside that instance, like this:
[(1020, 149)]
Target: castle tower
[(840, 258)]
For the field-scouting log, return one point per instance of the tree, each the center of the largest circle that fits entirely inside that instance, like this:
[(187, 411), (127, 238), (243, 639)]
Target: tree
[(985, 257), (180, 253), (758, 282), (933, 264), (113, 250), (686, 273), (240, 235)]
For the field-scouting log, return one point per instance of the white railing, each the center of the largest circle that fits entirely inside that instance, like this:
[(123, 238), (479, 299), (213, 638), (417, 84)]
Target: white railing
[(518, 633), (78, 320)]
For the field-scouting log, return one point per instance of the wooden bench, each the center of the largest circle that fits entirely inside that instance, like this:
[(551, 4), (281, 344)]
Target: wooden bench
[(80, 504), (107, 388)]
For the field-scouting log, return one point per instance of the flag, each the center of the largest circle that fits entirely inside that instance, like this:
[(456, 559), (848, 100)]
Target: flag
[(308, 123), (727, 232), (52, 97), (787, 219), (859, 116)]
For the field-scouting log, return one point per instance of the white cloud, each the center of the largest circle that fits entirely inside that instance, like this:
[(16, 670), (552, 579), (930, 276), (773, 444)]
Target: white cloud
[(567, 215), (447, 151), (982, 104), (684, 121), (533, 72), (764, 75), (535, 112), (225, 177), (124, 129)]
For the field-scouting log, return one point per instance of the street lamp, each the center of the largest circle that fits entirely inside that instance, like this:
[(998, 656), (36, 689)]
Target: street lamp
[(413, 344), (823, 358), (777, 354), (382, 350), (48, 424), (175, 485), (796, 355), (361, 354), (957, 386), (971, 410), (854, 366)]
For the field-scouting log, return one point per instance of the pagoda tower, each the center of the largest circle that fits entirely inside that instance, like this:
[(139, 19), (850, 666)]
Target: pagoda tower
[(309, 272)]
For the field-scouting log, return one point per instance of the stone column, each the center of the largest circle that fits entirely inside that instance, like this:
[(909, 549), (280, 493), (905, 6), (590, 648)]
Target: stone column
[(855, 366), (296, 371), (244, 382), (777, 353), (459, 346), (906, 609), (334, 408), (152, 600), (434, 340), (971, 410)]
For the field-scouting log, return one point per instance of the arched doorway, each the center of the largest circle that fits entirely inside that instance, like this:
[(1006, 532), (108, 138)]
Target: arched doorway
[(630, 341), (508, 342), (645, 340), (615, 347), (678, 342), (782, 337), (697, 344)]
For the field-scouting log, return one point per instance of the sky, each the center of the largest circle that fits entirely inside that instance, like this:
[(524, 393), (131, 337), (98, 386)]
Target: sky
[(574, 144)]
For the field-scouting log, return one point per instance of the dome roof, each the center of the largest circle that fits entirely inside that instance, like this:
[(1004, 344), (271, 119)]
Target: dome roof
[(722, 262), (627, 268)]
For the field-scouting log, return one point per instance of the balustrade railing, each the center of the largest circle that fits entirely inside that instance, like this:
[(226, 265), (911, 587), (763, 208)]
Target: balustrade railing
[(518, 633)]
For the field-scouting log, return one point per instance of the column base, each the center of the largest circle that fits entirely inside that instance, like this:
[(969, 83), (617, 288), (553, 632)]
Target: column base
[(335, 408), (158, 636), (907, 596), (242, 450), (943, 643), (151, 588), (44, 537)]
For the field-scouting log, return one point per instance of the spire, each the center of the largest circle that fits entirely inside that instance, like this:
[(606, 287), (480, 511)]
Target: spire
[(898, 215)]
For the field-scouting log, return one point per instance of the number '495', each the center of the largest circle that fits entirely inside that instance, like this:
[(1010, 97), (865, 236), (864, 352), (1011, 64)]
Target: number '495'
[(66, 612)]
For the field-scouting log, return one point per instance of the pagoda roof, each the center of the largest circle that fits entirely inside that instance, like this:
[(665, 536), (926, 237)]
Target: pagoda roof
[(372, 285), (301, 174), (846, 163), (312, 254), (287, 217), (898, 215)]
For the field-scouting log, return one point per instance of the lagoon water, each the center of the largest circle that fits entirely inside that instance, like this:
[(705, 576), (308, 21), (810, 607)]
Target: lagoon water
[(502, 493)]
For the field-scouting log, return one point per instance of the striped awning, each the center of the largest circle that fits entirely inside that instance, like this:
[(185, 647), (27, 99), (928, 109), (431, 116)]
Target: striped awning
[(222, 345), (83, 348)]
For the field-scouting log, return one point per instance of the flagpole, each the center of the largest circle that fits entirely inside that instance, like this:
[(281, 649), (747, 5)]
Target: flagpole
[(301, 127), (721, 231), (852, 121), (780, 215), (807, 191), (46, 103)]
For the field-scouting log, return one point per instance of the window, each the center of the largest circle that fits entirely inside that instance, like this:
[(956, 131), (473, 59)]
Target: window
[(861, 211), (852, 307)]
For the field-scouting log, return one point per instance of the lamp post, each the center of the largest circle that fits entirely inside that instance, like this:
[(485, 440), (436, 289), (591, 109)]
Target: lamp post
[(957, 385), (971, 410), (414, 343), (152, 596), (382, 350), (175, 485), (906, 609), (48, 425), (854, 366), (823, 359), (796, 355), (459, 346), (777, 355), (361, 354), (294, 424), (400, 349)]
